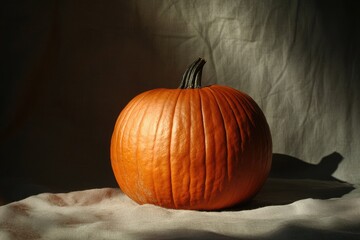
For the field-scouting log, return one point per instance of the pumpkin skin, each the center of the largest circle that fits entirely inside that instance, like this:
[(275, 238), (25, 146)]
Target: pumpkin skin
[(201, 148)]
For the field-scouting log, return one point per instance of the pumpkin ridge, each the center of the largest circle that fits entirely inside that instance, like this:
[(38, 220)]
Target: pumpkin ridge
[(153, 156), (245, 133), (123, 127), (205, 145), (252, 159), (261, 132), (239, 131), (212, 170), (197, 149), (251, 104), (244, 101), (245, 111), (148, 108), (263, 129), (224, 130), (170, 148), (122, 116), (245, 96), (238, 114), (135, 157), (189, 145), (242, 131)]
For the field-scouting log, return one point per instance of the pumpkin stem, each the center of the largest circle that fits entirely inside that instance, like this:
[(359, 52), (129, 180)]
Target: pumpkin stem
[(192, 75)]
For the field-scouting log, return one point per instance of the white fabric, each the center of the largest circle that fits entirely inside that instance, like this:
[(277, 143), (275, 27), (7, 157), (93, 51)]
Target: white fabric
[(109, 214)]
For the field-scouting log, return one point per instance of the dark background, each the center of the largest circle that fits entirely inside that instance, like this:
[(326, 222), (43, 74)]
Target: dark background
[(69, 67)]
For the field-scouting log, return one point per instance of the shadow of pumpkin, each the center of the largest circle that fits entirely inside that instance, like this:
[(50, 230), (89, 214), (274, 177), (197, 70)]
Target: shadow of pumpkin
[(292, 179)]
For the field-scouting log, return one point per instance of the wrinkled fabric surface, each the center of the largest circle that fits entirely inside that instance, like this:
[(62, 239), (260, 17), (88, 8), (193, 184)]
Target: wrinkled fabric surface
[(109, 214)]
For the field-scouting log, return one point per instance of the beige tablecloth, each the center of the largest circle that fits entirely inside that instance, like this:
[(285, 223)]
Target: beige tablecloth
[(284, 209)]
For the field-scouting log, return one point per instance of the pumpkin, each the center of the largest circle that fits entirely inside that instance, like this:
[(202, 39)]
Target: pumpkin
[(194, 147)]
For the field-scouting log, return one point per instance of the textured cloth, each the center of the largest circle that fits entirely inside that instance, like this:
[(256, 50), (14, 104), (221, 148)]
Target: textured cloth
[(282, 210)]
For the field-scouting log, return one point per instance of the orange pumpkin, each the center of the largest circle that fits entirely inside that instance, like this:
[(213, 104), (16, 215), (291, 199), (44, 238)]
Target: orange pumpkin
[(193, 147)]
